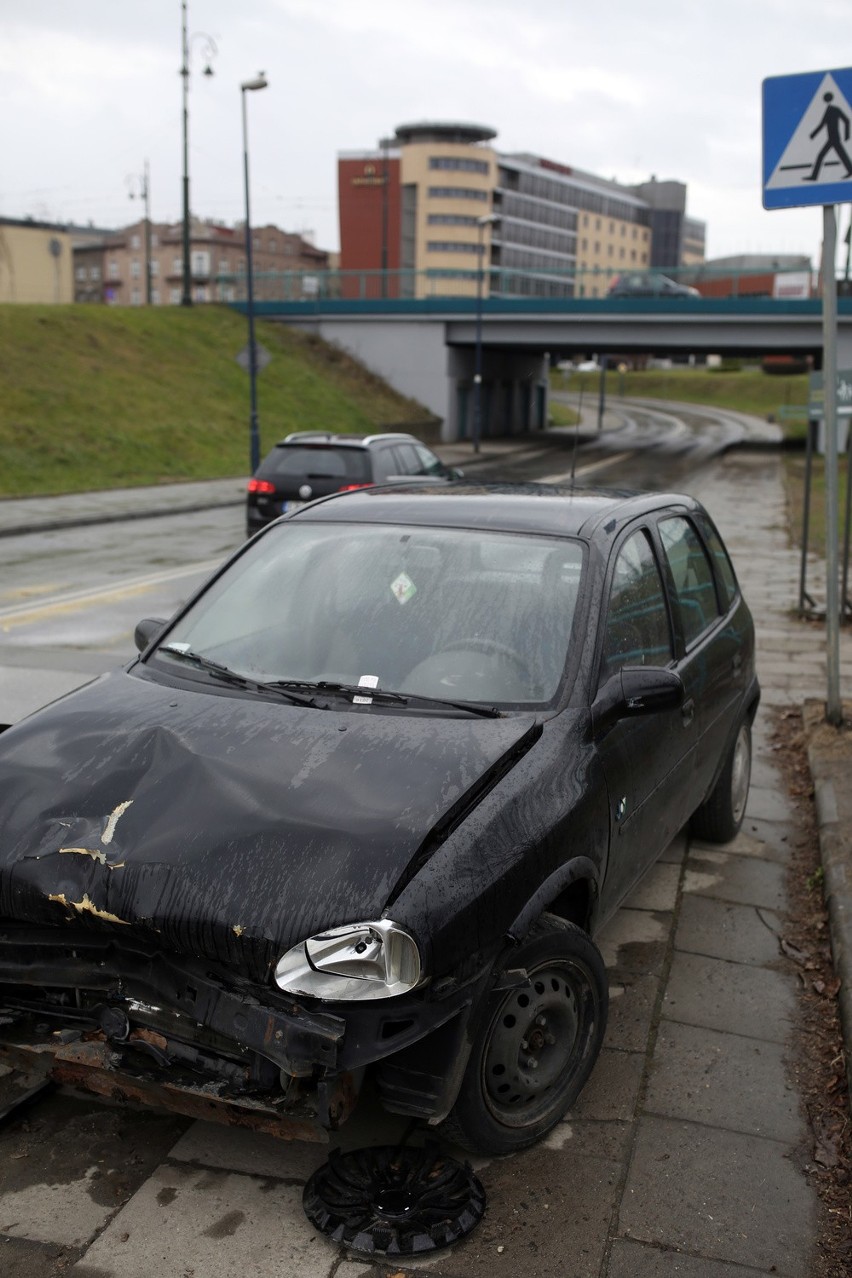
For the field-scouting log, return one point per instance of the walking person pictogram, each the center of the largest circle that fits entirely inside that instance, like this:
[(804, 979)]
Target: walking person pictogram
[(832, 120)]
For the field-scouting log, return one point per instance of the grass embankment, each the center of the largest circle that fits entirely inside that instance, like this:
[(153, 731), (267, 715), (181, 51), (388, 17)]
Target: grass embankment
[(99, 397)]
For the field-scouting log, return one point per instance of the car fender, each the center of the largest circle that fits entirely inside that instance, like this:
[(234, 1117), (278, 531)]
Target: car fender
[(575, 870)]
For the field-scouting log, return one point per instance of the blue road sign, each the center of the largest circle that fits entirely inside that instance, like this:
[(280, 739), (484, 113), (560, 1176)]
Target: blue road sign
[(807, 139)]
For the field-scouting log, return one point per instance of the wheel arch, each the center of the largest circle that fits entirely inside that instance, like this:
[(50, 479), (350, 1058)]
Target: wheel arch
[(569, 892)]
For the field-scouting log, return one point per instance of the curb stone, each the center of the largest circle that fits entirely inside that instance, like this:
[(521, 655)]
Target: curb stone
[(830, 760)]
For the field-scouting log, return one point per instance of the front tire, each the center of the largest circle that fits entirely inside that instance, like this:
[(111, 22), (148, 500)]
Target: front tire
[(719, 818), (537, 1044)]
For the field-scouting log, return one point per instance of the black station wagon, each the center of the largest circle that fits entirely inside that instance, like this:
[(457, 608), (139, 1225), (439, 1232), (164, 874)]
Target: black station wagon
[(361, 806)]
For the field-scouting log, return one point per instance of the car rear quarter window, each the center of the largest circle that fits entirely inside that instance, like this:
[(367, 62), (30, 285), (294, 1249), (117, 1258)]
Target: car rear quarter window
[(725, 576), (316, 462), (637, 625), (692, 575)]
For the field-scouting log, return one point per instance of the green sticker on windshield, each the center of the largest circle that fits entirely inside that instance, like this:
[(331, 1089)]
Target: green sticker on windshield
[(403, 588)]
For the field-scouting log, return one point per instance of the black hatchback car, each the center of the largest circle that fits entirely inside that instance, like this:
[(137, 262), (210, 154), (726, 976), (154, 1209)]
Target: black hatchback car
[(315, 463), (362, 804)]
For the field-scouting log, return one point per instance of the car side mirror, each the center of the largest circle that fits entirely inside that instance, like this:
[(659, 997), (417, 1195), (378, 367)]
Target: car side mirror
[(146, 631), (456, 472), (635, 690)]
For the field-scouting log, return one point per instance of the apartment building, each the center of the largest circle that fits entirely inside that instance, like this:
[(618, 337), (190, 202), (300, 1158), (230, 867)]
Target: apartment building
[(437, 202), (143, 264)]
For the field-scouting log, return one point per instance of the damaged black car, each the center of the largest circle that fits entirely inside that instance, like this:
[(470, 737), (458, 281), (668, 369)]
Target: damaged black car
[(360, 807)]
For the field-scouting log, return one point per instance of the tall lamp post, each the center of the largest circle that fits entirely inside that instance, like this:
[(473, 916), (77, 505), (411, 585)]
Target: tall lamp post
[(209, 52), (144, 194), (487, 219), (250, 86)]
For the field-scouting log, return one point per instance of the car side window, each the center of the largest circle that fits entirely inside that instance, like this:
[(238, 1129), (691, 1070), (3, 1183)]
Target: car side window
[(692, 575), (725, 576), (429, 463), (384, 464), (407, 461), (637, 625)]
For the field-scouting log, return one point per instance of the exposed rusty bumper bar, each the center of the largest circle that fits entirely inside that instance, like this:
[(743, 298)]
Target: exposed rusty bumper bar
[(92, 1067)]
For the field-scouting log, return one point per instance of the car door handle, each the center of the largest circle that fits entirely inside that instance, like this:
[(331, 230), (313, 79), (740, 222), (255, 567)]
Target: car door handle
[(737, 662), (687, 712)]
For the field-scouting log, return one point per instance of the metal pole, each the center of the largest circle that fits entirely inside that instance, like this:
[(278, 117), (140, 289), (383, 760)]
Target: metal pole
[(477, 368), (602, 393), (385, 197), (186, 296), (834, 711), (145, 192), (259, 82), (254, 435)]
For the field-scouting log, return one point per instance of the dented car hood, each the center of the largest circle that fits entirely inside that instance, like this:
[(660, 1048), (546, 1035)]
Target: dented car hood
[(220, 825)]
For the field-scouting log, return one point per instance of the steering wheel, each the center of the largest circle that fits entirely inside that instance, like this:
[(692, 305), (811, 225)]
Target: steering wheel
[(476, 644)]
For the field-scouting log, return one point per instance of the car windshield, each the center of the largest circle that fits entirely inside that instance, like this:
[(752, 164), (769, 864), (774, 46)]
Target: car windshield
[(476, 616)]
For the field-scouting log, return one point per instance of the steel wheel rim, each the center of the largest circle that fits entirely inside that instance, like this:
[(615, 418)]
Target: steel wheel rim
[(549, 1022), (740, 773)]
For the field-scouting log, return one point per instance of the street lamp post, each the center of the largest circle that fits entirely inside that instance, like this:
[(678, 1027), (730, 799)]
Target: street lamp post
[(250, 86), (487, 219), (210, 52)]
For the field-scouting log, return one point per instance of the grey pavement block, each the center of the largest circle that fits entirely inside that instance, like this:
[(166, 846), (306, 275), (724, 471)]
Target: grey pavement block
[(743, 880), (638, 1260), (768, 803), (585, 1138), (237, 1150), (657, 889), (776, 835), (720, 1195), (745, 844), (215, 1224), (723, 1080), (731, 997), (20, 1258), (718, 929), (549, 1214), (634, 941), (612, 1090), (631, 1012), (69, 1168)]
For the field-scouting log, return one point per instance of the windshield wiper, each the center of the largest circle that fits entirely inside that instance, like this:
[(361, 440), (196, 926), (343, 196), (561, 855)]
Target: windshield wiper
[(386, 697), (227, 675)]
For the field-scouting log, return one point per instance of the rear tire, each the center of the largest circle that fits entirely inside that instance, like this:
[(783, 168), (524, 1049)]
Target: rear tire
[(719, 818), (537, 1043)]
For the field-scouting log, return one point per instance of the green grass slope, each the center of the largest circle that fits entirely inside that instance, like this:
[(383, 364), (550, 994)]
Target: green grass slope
[(101, 397)]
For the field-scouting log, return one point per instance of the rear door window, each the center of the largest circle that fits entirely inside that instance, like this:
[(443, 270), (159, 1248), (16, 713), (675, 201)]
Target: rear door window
[(692, 574)]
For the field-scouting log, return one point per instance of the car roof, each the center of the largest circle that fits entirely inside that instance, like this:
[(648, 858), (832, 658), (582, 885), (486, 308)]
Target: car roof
[(530, 508), (322, 437)]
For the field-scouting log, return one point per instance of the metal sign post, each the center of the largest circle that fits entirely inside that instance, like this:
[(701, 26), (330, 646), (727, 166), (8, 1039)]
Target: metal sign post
[(807, 124)]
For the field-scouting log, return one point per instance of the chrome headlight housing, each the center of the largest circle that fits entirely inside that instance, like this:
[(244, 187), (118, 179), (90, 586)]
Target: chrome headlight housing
[(356, 961)]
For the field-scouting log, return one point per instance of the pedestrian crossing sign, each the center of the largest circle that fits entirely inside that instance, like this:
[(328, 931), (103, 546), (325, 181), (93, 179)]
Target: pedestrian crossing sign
[(807, 139)]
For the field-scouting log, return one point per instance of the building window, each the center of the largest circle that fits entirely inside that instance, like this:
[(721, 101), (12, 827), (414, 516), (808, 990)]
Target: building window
[(135, 268), (94, 272), (621, 255), (457, 193), (451, 219), (177, 266), (174, 296), (597, 246), (200, 262), (154, 266), (155, 239), (272, 246), (452, 246), (223, 266), (460, 163), (155, 296), (136, 297), (201, 293), (80, 273)]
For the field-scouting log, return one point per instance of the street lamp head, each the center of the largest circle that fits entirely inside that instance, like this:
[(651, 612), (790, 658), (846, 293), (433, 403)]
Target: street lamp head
[(488, 219), (259, 82)]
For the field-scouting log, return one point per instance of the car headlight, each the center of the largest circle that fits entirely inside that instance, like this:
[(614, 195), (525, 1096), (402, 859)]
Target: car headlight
[(357, 961)]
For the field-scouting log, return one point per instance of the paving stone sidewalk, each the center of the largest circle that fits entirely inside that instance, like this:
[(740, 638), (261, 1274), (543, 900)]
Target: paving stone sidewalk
[(685, 1154)]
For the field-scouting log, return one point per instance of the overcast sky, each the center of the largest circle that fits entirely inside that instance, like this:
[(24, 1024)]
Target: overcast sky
[(625, 88)]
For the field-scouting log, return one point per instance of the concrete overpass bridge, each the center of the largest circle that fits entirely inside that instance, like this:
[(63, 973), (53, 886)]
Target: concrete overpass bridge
[(426, 347)]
